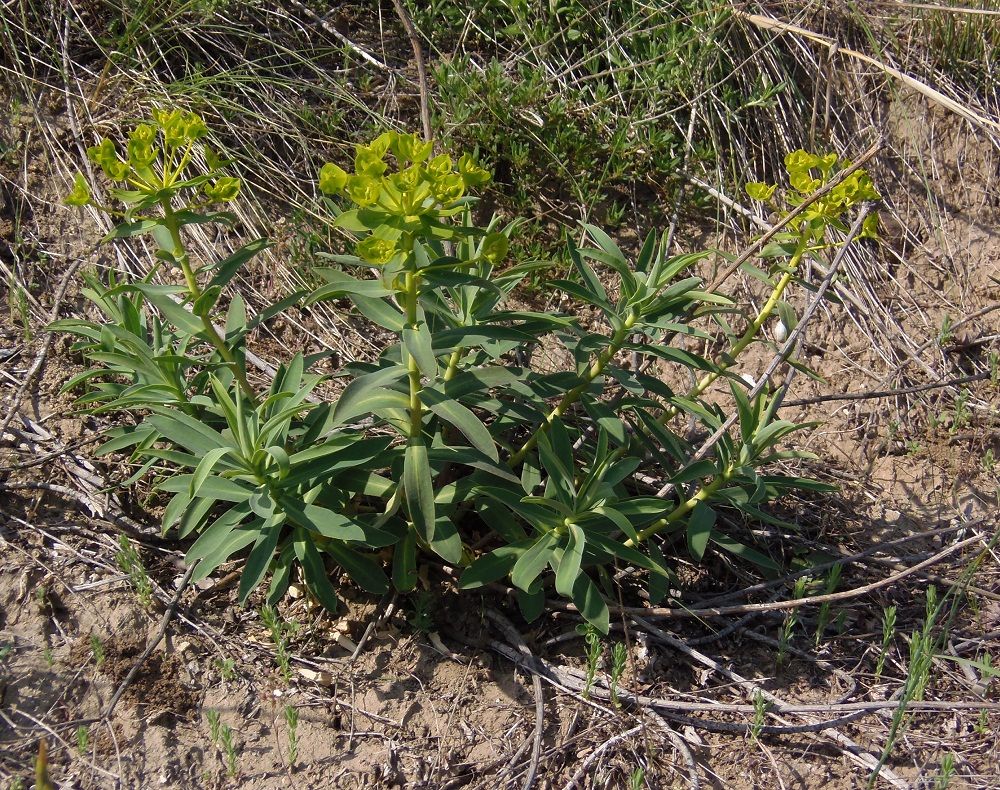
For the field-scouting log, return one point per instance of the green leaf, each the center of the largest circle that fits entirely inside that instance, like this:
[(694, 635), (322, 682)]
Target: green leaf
[(465, 336), (235, 540), (213, 487), (339, 284), (419, 489), (380, 312), (659, 583), (314, 571), (490, 567), (561, 469), (260, 557), (590, 602), (530, 564), (377, 399), (531, 604), (160, 297), (404, 563), (226, 269), (128, 229), (695, 471), (447, 543), (463, 419), (569, 564), (281, 576), (205, 467), (418, 344), (745, 552), (355, 395), (592, 283), (236, 318), (213, 535), (360, 567), (748, 416), (125, 437), (262, 503), (699, 529), (323, 521)]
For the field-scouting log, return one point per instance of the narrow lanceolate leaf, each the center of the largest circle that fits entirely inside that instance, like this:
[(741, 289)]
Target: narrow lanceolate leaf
[(569, 565), (160, 297), (463, 419), (226, 269), (376, 399), (447, 543), (533, 561), (213, 487), (419, 489), (353, 399), (490, 567), (404, 563), (360, 567), (314, 570), (187, 432), (695, 471), (588, 600), (205, 467), (418, 344), (699, 530), (260, 557)]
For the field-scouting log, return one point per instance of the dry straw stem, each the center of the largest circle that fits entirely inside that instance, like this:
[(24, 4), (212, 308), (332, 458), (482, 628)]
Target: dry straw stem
[(844, 595), (779, 26)]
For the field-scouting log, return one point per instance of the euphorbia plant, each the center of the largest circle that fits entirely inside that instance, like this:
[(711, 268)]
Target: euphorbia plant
[(443, 443)]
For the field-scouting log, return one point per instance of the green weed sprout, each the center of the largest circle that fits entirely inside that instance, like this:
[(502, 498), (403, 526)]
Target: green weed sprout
[(888, 634), (97, 650), (130, 563), (292, 720), (450, 433), (279, 630), (592, 639)]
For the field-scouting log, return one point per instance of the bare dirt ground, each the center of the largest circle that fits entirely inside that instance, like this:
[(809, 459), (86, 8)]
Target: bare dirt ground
[(454, 703)]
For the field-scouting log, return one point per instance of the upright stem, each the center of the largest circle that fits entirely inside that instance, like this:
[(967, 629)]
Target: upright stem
[(453, 360), (211, 333), (413, 370), (748, 337), (573, 395), (683, 508)]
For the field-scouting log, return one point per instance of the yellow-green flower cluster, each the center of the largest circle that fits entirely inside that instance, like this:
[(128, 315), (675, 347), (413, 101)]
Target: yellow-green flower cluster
[(420, 188), (169, 140), (809, 172)]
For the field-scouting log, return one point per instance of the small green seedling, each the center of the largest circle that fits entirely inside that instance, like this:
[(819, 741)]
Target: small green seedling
[(759, 715), (228, 746), (823, 618), (130, 563), (790, 621), (280, 631), (292, 720), (888, 633), (82, 738), (619, 659), (214, 725), (227, 668), (943, 781), (97, 650), (592, 641)]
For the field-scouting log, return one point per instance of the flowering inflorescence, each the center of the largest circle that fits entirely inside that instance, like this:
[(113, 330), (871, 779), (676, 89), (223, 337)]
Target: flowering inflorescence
[(155, 159), (809, 172), (414, 199)]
